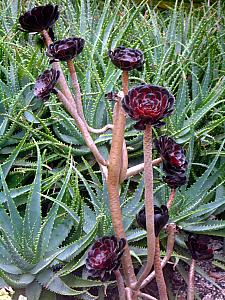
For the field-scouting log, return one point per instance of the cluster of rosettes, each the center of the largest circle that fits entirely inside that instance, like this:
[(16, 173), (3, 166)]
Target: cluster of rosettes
[(104, 257), (161, 218), (42, 18), (174, 161)]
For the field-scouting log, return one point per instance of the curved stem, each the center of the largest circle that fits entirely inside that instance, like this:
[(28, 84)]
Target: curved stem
[(191, 284), (100, 130), (149, 204), (171, 230), (159, 273), (120, 285), (139, 168), (146, 296), (171, 198), (73, 112), (113, 182), (76, 86)]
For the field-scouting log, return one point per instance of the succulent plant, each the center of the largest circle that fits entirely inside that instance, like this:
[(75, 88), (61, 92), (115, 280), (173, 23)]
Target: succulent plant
[(127, 59), (174, 161), (161, 218), (66, 49), (198, 247), (39, 18), (45, 84), (148, 104), (104, 257)]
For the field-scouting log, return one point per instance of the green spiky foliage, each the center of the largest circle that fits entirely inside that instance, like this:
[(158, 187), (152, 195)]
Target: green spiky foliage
[(32, 245)]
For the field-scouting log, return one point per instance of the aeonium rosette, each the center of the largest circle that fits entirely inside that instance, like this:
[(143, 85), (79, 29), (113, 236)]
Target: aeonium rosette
[(148, 105)]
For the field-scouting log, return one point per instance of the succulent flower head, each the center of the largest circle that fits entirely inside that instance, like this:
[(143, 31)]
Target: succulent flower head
[(104, 257), (172, 154), (66, 49), (45, 84), (148, 104), (127, 59), (39, 18), (175, 180), (198, 246), (161, 218)]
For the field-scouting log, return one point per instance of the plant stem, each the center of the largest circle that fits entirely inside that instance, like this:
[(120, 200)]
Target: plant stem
[(171, 198), (171, 229), (191, 280), (146, 296), (124, 162), (120, 285), (113, 182), (149, 204), (73, 112), (76, 86), (139, 168), (159, 273)]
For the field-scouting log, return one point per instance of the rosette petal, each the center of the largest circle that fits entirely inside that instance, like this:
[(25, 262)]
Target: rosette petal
[(127, 59), (66, 49), (39, 18), (104, 257), (198, 246), (148, 105)]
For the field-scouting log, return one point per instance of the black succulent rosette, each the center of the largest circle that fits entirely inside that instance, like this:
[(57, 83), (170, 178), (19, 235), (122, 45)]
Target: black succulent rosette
[(198, 247), (148, 105), (104, 257), (174, 161), (127, 59), (66, 49), (161, 217), (45, 84), (39, 18)]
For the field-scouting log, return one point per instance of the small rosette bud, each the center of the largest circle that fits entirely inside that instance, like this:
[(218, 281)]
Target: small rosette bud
[(161, 217), (148, 105), (127, 59), (39, 18), (104, 257), (198, 246), (66, 49), (45, 84)]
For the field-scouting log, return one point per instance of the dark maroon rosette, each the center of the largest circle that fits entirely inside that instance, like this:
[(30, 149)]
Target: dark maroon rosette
[(198, 246), (104, 257), (175, 180), (174, 160), (45, 84), (66, 49), (161, 217), (148, 105), (127, 59), (39, 18)]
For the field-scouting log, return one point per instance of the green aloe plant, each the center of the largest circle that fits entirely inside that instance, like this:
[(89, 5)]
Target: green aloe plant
[(31, 245)]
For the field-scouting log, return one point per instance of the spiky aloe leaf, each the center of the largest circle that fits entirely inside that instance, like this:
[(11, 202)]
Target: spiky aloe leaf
[(17, 281), (47, 227), (15, 218), (32, 219), (54, 284), (33, 290)]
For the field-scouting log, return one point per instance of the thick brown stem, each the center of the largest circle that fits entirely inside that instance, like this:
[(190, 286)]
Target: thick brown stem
[(146, 296), (139, 168), (76, 86), (191, 282), (171, 230), (149, 204), (159, 273), (124, 162), (71, 108), (120, 285), (128, 293), (171, 198), (113, 182)]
